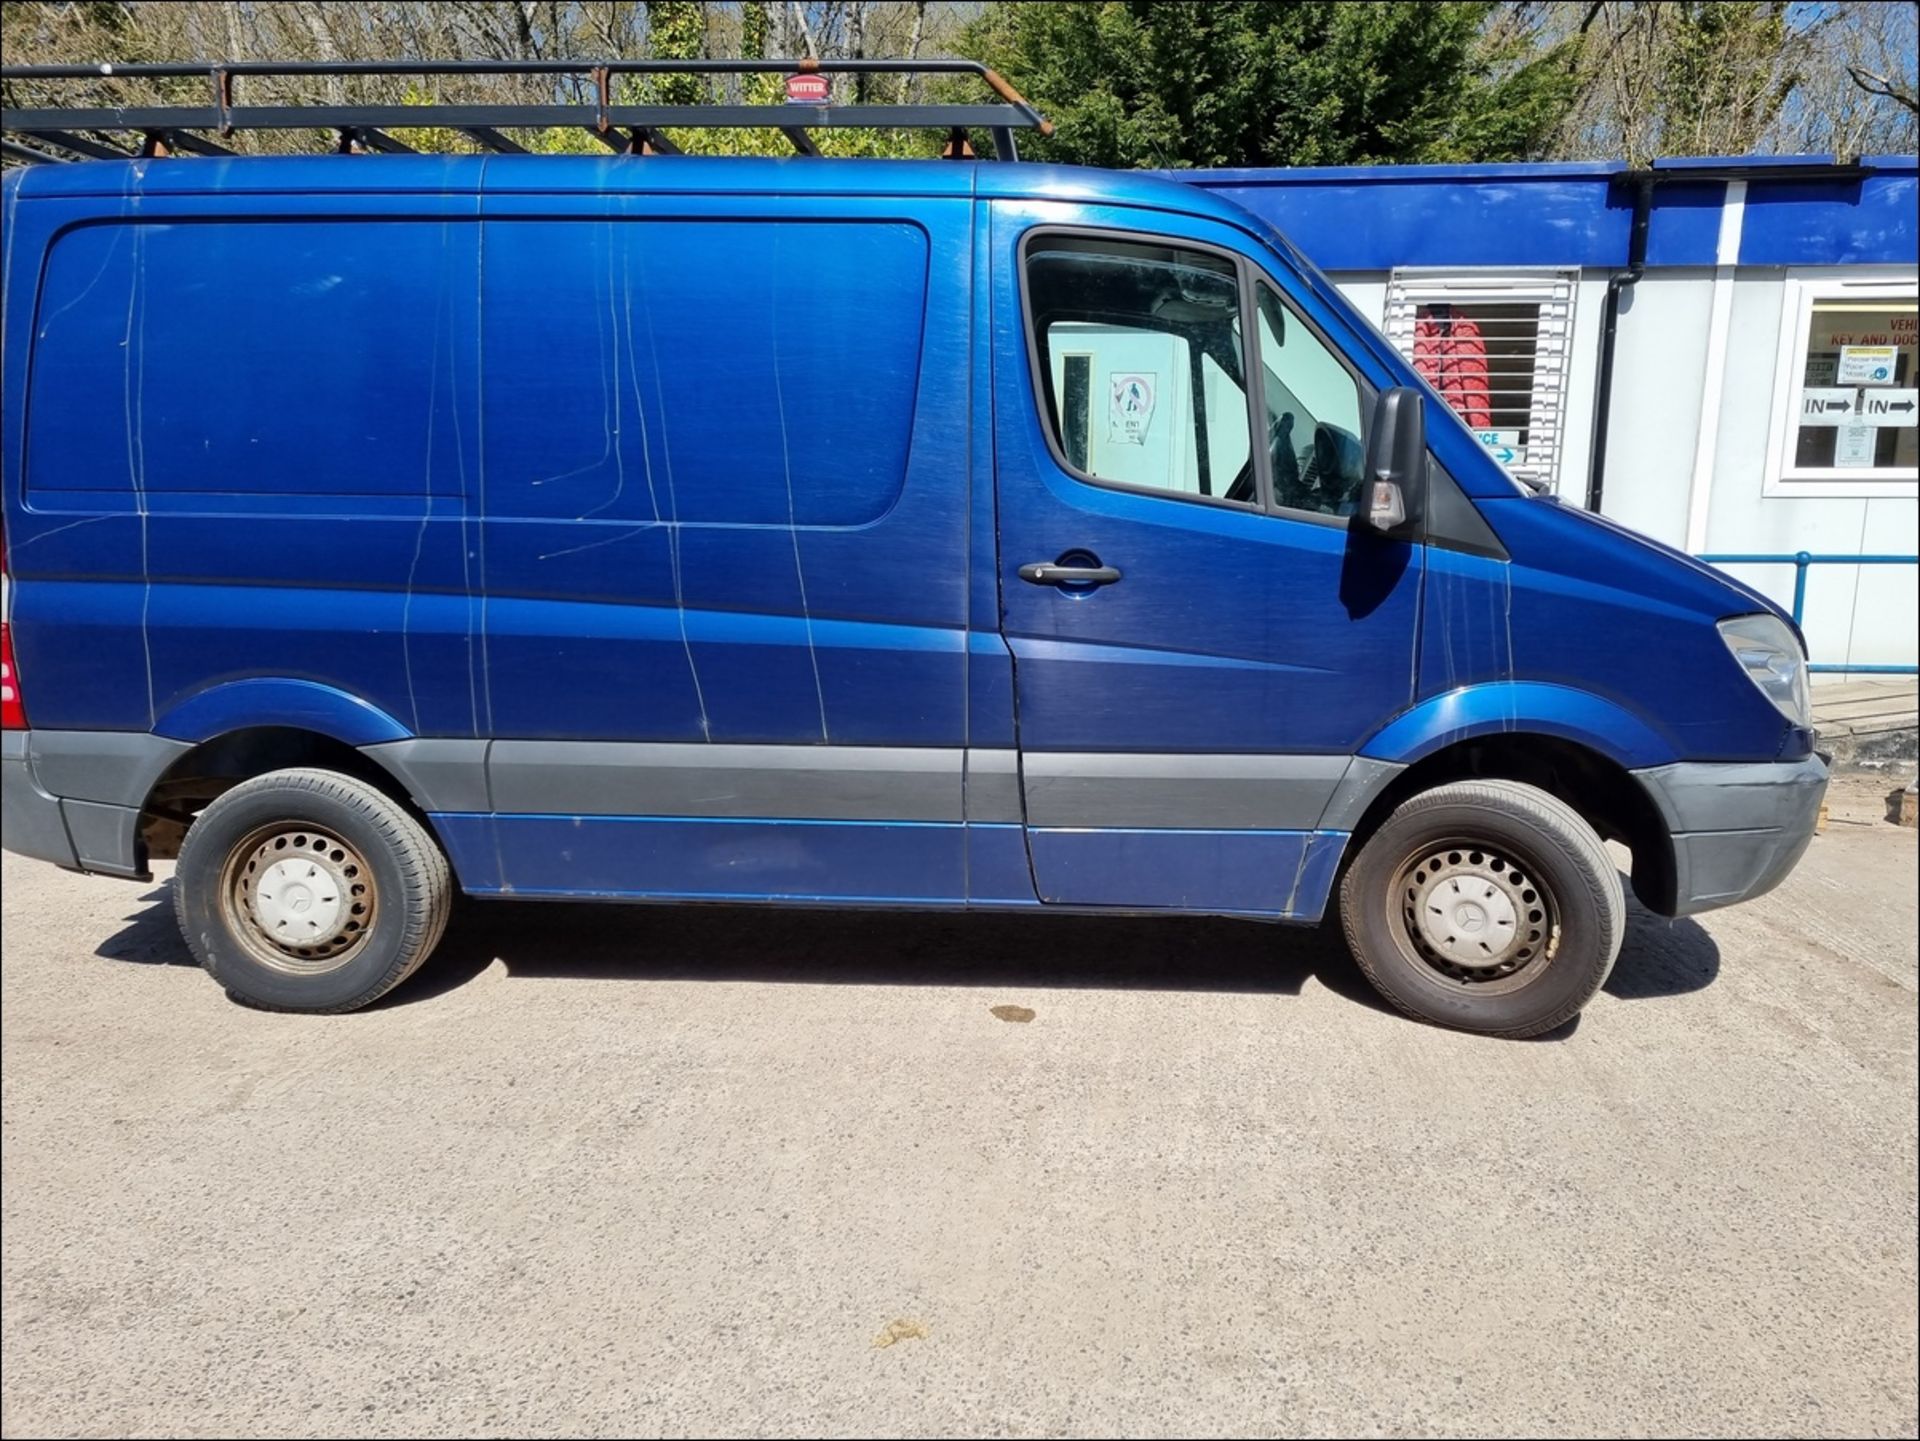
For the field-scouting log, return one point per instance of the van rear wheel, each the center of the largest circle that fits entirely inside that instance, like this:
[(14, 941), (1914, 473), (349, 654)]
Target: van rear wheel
[(307, 890), (1488, 906)]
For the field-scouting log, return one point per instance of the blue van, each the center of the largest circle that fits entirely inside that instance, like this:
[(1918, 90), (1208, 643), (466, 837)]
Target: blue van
[(849, 533)]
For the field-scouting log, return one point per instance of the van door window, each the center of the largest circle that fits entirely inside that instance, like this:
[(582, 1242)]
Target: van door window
[(1313, 415), (1140, 361)]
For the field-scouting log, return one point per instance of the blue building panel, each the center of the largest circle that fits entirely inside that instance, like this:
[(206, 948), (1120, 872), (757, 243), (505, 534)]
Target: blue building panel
[(1357, 218), (1875, 221), (1684, 226), (1383, 218)]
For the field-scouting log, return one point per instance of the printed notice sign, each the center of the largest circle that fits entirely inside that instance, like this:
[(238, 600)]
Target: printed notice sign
[(1853, 445), (1505, 445), (1826, 405), (1865, 365), (1129, 405), (1899, 409)]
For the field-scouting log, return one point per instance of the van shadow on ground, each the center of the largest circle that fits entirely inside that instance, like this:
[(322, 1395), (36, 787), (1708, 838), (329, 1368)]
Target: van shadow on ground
[(917, 948)]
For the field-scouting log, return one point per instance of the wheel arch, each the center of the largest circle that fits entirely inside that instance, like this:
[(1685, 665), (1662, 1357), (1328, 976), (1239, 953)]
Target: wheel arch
[(218, 762), (1522, 708), (1597, 786)]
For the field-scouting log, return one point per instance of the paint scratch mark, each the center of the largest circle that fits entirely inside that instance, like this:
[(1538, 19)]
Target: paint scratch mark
[(480, 453), (134, 375), (1299, 870), (612, 399), (70, 525), (640, 413), (113, 249), (673, 506), (786, 467), (426, 516)]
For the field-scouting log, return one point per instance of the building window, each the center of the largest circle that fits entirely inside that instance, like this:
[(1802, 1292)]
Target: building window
[(1496, 348), (1847, 405)]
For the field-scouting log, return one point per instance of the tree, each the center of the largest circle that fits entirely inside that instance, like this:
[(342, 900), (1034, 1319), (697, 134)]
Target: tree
[(1736, 77), (46, 31), (1127, 82), (1141, 83)]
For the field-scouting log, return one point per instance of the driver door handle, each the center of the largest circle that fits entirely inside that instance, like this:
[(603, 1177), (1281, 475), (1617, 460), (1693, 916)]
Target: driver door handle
[(1046, 572)]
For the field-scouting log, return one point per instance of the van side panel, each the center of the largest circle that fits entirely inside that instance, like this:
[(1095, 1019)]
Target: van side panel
[(726, 481), (724, 484), (249, 438)]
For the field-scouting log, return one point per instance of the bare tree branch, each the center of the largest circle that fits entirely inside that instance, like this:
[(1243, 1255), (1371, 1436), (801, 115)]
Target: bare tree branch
[(1874, 84)]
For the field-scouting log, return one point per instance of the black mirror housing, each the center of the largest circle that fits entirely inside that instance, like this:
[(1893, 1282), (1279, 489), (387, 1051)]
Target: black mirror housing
[(1393, 497)]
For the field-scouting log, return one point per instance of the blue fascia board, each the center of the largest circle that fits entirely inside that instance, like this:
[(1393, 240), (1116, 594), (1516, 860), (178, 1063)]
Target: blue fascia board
[(1873, 222), (1578, 214)]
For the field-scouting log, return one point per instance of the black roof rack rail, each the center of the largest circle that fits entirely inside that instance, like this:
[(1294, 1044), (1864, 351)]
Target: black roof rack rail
[(67, 132)]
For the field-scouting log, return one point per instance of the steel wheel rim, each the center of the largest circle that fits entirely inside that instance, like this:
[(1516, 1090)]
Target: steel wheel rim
[(299, 898), (1475, 915)]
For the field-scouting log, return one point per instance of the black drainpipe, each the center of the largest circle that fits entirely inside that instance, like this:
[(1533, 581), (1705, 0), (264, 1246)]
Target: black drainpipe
[(1642, 182)]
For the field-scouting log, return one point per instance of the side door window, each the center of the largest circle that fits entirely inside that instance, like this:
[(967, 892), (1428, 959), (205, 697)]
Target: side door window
[(1313, 409), (1139, 365)]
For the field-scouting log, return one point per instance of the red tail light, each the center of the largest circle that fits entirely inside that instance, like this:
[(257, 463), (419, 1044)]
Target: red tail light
[(13, 711)]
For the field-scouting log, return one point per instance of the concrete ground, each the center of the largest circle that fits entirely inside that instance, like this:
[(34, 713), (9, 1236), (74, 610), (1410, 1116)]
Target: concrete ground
[(710, 1172), (1869, 722)]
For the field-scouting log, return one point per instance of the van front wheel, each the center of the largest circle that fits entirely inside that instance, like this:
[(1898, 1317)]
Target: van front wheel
[(307, 890), (1488, 906)]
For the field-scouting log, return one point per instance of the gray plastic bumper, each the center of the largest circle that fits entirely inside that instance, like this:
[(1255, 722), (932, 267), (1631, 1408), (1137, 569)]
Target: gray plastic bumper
[(74, 797), (1737, 829), (30, 819)]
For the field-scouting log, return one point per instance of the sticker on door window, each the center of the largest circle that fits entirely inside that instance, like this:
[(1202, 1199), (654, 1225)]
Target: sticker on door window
[(1130, 405)]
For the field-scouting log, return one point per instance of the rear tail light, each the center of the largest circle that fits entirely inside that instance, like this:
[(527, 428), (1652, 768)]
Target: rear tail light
[(13, 711), (13, 714)]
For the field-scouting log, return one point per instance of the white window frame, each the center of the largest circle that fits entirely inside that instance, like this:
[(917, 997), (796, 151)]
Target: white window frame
[(1799, 293), (1555, 291)]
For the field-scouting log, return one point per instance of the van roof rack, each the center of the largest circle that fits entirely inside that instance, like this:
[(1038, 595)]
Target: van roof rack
[(62, 133)]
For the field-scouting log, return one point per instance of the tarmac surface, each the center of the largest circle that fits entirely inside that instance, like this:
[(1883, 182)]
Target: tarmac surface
[(712, 1171)]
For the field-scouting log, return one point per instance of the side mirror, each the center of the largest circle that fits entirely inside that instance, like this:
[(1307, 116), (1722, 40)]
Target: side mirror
[(1395, 489)]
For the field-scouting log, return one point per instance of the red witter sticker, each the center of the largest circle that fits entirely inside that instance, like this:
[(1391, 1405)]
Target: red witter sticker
[(807, 89)]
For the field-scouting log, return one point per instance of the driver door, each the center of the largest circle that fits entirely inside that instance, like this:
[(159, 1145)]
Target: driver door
[(1196, 657)]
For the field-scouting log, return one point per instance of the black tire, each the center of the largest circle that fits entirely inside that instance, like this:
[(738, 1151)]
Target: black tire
[(381, 885), (1520, 960)]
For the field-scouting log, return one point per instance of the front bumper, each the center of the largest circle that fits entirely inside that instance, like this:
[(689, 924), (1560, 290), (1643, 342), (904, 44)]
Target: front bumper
[(1737, 829)]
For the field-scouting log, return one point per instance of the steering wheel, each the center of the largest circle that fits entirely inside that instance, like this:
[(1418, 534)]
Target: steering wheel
[(1286, 467)]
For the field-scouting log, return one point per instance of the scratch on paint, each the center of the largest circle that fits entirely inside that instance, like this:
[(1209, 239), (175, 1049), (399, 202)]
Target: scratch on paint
[(673, 505), (467, 508), (1299, 870), (70, 525), (134, 372), (480, 451), (640, 414), (113, 248), (1511, 668), (633, 380), (786, 467), (610, 411), (608, 397), (426, 517)]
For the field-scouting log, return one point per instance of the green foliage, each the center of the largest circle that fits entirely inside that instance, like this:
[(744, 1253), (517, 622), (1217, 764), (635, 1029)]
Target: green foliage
[(1151, 83), (1717, 67)]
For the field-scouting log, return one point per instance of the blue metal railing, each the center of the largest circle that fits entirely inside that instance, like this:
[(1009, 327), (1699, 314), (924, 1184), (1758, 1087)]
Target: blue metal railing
[(1800, 560)]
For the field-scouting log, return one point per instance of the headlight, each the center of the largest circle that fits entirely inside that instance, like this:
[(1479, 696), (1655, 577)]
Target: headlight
[(1770, 654)]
